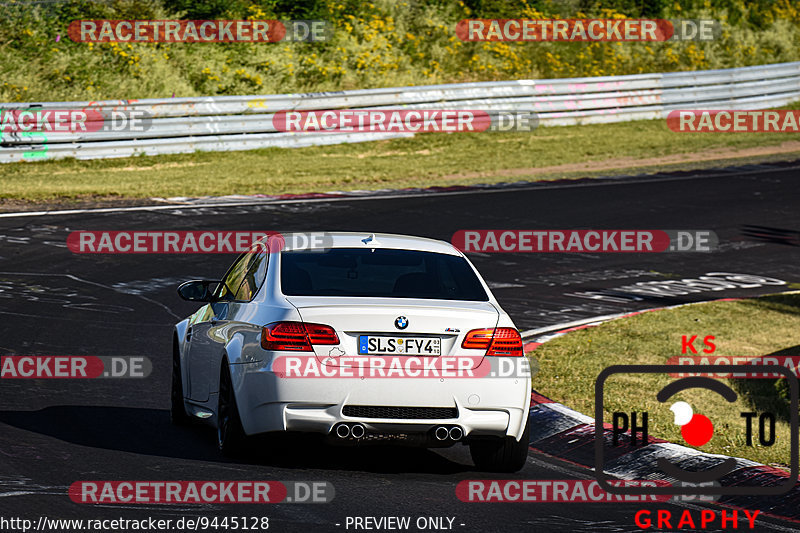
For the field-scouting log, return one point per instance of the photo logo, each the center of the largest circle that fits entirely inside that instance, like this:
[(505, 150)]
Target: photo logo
[(630, 427), (696, 430)]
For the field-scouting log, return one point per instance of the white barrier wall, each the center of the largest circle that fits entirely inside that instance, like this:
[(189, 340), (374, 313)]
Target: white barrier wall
[(228, 123)]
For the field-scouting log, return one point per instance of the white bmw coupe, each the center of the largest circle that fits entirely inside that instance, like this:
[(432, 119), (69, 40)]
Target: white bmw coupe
[(366, 338)]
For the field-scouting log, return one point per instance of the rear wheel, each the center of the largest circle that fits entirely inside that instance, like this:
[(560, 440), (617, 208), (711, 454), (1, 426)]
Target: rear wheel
[(177, 411), (230, 434), (501, 455)]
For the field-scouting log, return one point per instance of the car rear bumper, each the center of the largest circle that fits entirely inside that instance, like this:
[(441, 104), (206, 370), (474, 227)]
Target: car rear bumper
[(484, 406)]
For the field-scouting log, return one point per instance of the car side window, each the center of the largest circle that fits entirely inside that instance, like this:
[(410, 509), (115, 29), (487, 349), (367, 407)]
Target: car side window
[(232, 280), (245, 277), (255, 274)]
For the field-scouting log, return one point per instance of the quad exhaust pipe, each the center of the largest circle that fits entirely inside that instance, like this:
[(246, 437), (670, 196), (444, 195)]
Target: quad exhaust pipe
[(356, 431), (453, 433)]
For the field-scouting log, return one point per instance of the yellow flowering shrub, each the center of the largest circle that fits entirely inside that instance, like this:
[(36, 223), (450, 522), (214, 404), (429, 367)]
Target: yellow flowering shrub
[(374, 44)]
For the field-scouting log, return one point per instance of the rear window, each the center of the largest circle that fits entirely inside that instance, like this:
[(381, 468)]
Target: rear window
[(379, 273)]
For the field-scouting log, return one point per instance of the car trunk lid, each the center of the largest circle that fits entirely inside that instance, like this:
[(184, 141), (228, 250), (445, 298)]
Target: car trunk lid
[(353, 318)]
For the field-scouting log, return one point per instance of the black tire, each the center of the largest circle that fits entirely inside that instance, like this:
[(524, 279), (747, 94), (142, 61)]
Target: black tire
[(230, 434), (501, 455), (177, 411)]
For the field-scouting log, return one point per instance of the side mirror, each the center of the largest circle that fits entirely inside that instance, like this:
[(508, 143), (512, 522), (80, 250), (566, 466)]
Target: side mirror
[(199, 290)]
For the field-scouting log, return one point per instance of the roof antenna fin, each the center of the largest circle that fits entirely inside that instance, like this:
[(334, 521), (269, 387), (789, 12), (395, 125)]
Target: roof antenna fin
[(371, 241)]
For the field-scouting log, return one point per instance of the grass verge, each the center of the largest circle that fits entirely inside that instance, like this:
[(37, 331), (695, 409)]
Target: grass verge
[(426, 160), (569, 365)]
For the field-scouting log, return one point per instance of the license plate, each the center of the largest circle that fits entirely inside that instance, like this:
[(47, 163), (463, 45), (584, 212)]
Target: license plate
[(379, 345)]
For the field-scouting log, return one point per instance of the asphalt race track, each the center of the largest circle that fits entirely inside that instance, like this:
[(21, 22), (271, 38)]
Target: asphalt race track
[(56, 432)]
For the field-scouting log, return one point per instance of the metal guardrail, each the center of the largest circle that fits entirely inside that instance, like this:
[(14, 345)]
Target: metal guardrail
[(229, 123)]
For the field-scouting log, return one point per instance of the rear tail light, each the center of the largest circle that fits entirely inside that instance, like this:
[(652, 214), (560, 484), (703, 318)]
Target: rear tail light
[(478, 339), (296, 336), (322, 334), (285, 336), (505, 342)]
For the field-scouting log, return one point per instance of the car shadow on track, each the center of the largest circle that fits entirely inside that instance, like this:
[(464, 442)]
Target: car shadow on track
[(149, 432)]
